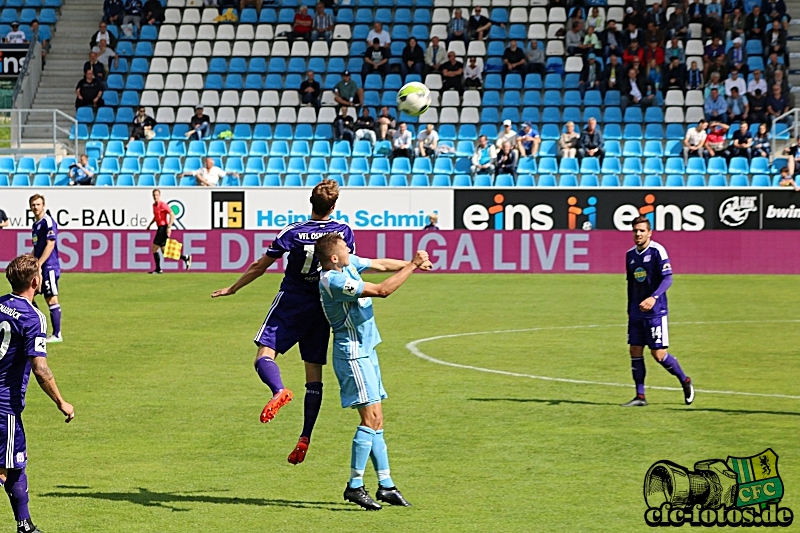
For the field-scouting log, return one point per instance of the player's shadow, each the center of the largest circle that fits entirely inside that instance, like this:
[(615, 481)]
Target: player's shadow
[(540, 400), (170, 500), (734, 411)]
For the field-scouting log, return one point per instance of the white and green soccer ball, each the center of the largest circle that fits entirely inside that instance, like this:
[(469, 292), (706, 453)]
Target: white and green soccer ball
[(413, 98)]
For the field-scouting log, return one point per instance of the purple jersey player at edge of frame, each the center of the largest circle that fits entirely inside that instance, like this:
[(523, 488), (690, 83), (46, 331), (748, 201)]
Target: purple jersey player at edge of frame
[(295, 315), (649, 275), (45, 250)]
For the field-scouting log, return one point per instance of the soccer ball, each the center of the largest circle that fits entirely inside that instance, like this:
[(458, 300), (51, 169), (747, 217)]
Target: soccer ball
[(413, 98)]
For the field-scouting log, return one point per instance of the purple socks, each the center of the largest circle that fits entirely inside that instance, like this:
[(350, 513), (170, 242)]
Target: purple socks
[(639, 372), (673, 367), (17, 488), (55, 318), (270, 374), (311, 407)]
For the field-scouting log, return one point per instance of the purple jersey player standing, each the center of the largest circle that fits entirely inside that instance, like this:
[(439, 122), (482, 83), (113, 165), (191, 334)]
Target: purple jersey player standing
[(23, 346), (649, 275), (45, 249), (295, 316)]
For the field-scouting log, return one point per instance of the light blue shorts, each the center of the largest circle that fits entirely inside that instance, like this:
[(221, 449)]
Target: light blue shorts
[(359, 380)]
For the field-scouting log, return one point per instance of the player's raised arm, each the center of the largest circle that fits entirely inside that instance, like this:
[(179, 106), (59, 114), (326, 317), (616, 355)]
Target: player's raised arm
[(389, 285), (253, 272), (392, 265), (48, 384)]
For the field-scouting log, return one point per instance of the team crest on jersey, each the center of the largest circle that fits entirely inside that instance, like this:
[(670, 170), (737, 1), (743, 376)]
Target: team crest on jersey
[(647, 258), (640, 274), (40, 345), (350, 287)]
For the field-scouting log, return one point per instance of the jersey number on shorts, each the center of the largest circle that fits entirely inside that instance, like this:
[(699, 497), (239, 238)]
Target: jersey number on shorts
[(655, 332), (5, 331), (310, 257)]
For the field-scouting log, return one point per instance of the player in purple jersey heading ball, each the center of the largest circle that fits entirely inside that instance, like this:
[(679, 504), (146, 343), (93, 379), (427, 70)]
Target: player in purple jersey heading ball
[(45, 249), (649, 275), (23, 346), (295, 316)]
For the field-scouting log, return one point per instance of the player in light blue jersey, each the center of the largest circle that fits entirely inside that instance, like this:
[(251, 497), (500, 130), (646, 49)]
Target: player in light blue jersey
[(45, 249), (649, 275), (346, 301)]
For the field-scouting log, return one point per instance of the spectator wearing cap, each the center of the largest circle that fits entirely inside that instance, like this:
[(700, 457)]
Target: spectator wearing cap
[(632, 17), (15, 36), (376, 60), (528, 141), (323, 24), (413, 60), (310, 90), (507, 134), (734, 80), (457, 28), (435, 55), (591, 141), (472, 74), (534, 57), (199, 125), (715, 107), (591, 75), (736, 57), (301, 27), (514, 59), (452, 74), (113, 11), (507, 160), (102, 34), (611, 38), (678, 23), (105, 55), (478, 26), (347, 93), (133, 13), (89, 92)]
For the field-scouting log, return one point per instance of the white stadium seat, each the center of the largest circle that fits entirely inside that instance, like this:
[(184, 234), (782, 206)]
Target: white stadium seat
[(245, 32), (319, 49), (280, 49), (185, 114), (518, 15), (266, 115), (241, 49), (165, 115), (226, 33), (149, 98), (673, 115), (209, 14), (476, 48), (430, 116), (448, 115), (326, 115), (191, 16), (270, 99), (182, 49), (573, 64), (246, 115), (342, 31), (194, 81), (264, 32), (290, 98), (471, 98), (172, 16), (674, 98), (187, 32), (440, 15), (299, 49), (210, 98), (537, 31), (159, 65), (221, 49), (167, 32), (201, 49), (163, 49), (260, 49), (174, 82), (287, 115), (190, 98), (307, 115), (694, 98), (433, 81), (250, 98), (207, 32), (451, 98), (339, 49), (226, 115), (199, 64), (178, 65), (229, 98), (457, 47), (470, 115), (170, 99), (154, 82), (694, 114)]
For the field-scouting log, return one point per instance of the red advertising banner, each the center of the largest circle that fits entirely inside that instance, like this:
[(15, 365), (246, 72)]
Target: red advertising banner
[(598, 251)]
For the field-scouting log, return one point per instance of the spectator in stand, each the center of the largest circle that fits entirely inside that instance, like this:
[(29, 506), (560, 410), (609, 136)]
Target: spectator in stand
[(574, 39), (714, 83), (15, 36), (478, 25), (89, 92), (3, 219), (301, 27), (711, 52), (675, 50), (633, 52), (576, 16), (377, 32), (758, 106), (694, 143), (483, 157), (255, 3), (534, 58), (401, 142), (153, 12), (613, 75), (736, 58), (653, 75), (365, 126), (595, 20), (715, 140), (694, 78), (142, 126), (611, 39), (427, 142), (81, 173), (323, 24), (347, 93), (435, 55), (793, 151), (678, 24), (343, 126), (734, 80), (528, 141), (756, 25), (568, 142), (591, 75), (102, 34), (42, 36), (738, 108), (697, 14), (430, 226), (105, 55), (735, 25), (472, 74), (384, 125), (97, 68), (506, 135), (780, 79), (742, 144), (636, 91), (591, 43), (775, 40), (773, 67), (376, 60), (776, 10), (452, 74), (720, 67), (633, 33), (756, 83), (310, 90), (676, 76), (413, 59), (762, 145), (209, 174), (712, 24), (654, 33), (514, 59), (507, 160), (113, 11), (654, 51), (457, 28), (133, 13), (591, 141), (715, 107), (778, 104), (199, 125), (656, 15), (787, 180)]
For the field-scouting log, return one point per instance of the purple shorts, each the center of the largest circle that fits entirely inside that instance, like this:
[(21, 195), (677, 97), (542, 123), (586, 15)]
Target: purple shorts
[(650, 332), (296, 319), (50, 285), (12, 442)]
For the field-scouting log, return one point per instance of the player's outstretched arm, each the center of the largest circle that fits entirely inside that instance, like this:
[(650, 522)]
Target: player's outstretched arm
[(48, 384), (392, 265), (253, 272), (388, 286)]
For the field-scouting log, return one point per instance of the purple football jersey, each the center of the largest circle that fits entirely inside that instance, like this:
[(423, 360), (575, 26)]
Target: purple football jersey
[(645, 271), (302, 267), (23, 334), (45, 230)]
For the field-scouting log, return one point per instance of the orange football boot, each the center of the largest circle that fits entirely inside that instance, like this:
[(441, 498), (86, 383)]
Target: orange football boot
[(279, 400)]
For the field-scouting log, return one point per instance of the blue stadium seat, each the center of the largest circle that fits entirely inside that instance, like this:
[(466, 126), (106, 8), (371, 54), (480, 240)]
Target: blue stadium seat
[(654, 132), (567, 180), (632, 131), (276, 165), (761, 180), (572, 80), (612, 131), (441, 180), (568, 166), (356, 180), (632, 180), (420, 180), (737, 180), (146, 180), (613, 148), (652, 181), (654, 115), (124, 48), (115, 149), (673, 148), (533, 81), (612, 115), (716, 165), (377, 180), (549, 165), (571, 114), (738, 165), (262, 132), (359, 165), (695, 180), (590, 165), (484, 180), (272, 180), (177, 149), (43, 180), (653, 165), (611, 165), (547, 180), (674, 180), (592, 98), (675, 132), (130, 165), (632, 149), (467, 132), (552, 98), (8, 165), (143, 49), (398, 180), (675, 165), (300, 149), (85, 115), (110, 165), (155, 149), (380, 166), (609, 180), (172, 165), (422, 165), (612, 98), (696, 165), (589, 180), (718, 180), (135, 149), (632, 165), (151, 165), (653, 149)]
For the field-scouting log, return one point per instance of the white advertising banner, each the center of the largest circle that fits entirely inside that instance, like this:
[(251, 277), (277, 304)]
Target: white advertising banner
[(80, 208)]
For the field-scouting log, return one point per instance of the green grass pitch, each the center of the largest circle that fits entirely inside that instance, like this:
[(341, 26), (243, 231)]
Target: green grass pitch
[(167, 437)]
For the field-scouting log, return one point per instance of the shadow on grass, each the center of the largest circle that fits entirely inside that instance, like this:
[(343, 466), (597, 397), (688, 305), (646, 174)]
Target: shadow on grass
[(540, 400), (148, 498), (734, 411)]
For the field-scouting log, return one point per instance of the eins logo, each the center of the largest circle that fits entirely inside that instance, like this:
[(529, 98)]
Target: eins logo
[(589, 212), (508, 217), (688, 218)]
